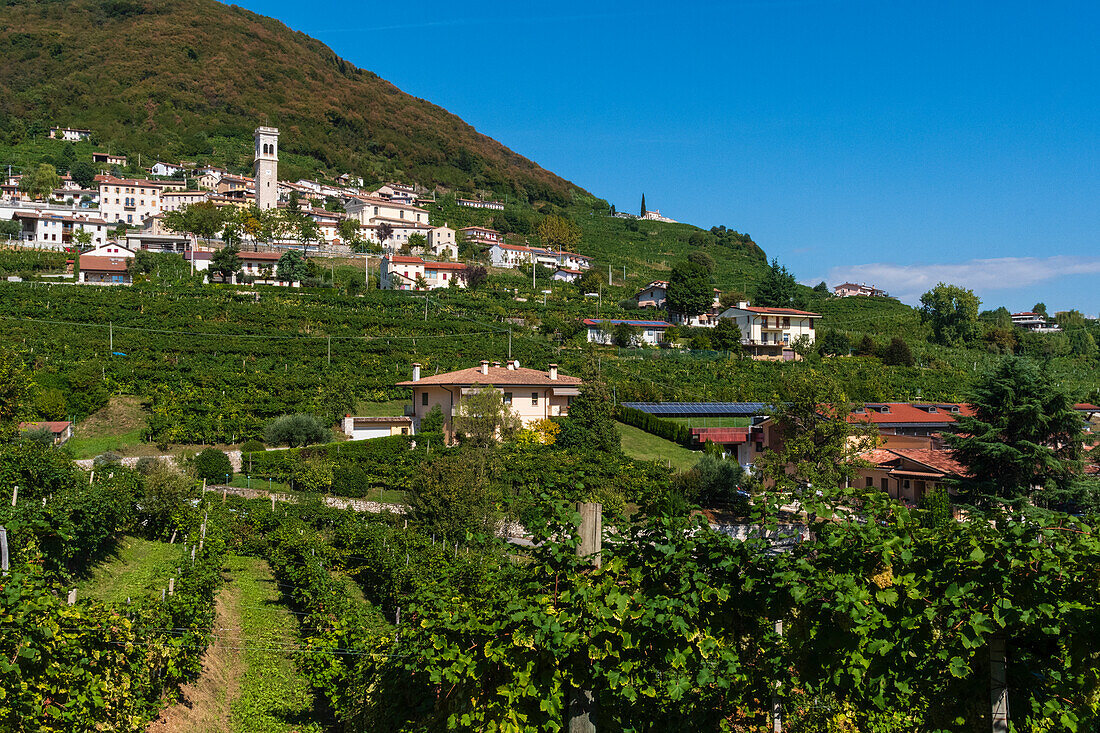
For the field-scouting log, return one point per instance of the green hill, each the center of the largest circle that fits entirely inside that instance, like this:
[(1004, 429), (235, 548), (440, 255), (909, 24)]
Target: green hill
[(191, 80)]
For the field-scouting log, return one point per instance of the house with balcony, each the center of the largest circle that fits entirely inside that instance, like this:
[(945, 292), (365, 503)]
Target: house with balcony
[(104, 270), (509, 255), (176, 200), (481, 236), (70, 134), (1036, 322), (475, 204), (769, 333), (109, 159), (531, 394), (909, 474), (56, 230)]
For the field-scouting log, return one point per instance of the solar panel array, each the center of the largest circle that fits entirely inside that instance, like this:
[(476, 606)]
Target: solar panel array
[(700, 409)]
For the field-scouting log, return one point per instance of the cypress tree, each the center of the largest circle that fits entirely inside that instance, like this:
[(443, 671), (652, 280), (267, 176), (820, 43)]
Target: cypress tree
[(643, 206)]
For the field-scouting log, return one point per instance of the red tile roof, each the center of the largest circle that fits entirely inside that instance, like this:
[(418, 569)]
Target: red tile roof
[(780, 311), (103, 264), (496, 376), (905, 413), (55, 426), (939, 460)]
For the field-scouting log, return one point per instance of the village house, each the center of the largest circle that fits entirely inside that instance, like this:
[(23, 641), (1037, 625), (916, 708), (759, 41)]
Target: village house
[(260, 264), (59, 430), (909, 474), (481, 235), (849, 290), (176, 200), (769, 333), (601, 330), (564, 274), (229, 183), (77, 197), (109, 159), (365, 428), (328, 222), (110, 249), (1036, 322), (401, 272), (509, 255), (400, 231), (442, 243), (574, 261), (399, 193), (368, 209), (130, 201), (652, 295), (95, 270), (56, 230), (165, 169), (70, 134), (209, 176), (475, 204), (531, 394)]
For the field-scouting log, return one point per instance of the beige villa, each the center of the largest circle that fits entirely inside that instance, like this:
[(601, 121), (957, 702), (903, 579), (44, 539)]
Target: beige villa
[(532, 394)]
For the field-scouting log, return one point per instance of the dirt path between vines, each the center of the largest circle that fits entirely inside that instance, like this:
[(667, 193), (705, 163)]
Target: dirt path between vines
[(204, 705)]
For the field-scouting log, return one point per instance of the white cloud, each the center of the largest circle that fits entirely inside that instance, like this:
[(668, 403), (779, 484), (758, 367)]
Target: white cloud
[(909, 282)]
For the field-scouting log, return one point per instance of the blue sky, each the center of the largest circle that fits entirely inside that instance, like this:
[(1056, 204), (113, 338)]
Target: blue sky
[(897, 143)]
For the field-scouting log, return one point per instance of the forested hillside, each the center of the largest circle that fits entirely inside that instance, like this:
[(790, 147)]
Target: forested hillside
[(192, 80)]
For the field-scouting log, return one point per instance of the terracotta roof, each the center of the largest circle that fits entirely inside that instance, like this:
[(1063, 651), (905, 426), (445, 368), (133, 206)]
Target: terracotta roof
[(940, 460), (616, 322), (112, 181), (444, 266), (55, 426), (103, 264), (479, 229), (779, 311), (1086, 407), (405, 260), (905, 413), (497, 376), (571, 272), (260, 255), (513, 247)]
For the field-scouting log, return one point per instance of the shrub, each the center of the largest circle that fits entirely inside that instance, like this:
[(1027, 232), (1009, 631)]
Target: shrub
[(147, 465), (295, 430), (252, 446), (109, 458), (213, 465)]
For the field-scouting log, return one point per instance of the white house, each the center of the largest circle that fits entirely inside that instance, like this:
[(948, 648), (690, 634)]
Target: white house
[(1036, 322), (475, 204), (369, 208), (509, 255), (56, 230), (652, 295), (566, 275), (768, 333), (601, 330), (109, 159), (399, 193), (71, 134), (165, 169), (176, 200), (110, 249), (849, 290)]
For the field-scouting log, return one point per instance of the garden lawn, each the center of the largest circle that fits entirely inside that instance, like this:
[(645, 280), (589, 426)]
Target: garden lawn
[(643, 446), (138, 568)]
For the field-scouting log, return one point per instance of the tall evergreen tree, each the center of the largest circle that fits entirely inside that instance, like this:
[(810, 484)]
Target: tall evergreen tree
[(778, 288), (642, 213), (1024, 437)]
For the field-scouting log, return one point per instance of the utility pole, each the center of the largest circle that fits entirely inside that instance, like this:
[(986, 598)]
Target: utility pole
[(329, 340), (583, 710), (111, 327)]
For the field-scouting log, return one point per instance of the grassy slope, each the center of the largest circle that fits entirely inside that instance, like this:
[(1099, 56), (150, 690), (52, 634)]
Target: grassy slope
[(273, 696), (139, 568), (206, 74), (117, 427), (645, 447)]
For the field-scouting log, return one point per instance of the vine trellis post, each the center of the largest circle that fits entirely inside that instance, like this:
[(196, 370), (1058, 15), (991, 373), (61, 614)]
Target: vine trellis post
[(582, 709)]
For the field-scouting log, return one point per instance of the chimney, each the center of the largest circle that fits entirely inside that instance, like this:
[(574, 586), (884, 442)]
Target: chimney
[(554, 372), (416, 371), (484, 366), (496, 365), (511, 365), (742, 304)]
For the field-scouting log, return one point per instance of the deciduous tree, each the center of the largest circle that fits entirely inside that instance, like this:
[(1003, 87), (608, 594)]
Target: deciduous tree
[(690, 290), (953, 313)]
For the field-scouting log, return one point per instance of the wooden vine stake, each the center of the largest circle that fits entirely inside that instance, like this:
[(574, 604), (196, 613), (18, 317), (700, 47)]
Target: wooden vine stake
[(582, 709), (998, 684), (4, 550)]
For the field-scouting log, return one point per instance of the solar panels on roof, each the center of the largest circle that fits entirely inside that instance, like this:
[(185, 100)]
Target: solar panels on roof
[(700, 409)]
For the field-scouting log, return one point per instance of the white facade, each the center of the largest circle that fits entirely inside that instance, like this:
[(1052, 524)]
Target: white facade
[(266, 170), (71, 134), (413, 273), (176, 200), (509, 255), (110, 249), (601, 330), (770, 332), (128, 200), (165, 169), (369, 208), (56, 230), (568, 276), (365, 428)]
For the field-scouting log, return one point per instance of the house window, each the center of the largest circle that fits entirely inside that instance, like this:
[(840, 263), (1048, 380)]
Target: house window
[(424, 398), (534, 398), (870, 482), (507, 398), (886, 484)]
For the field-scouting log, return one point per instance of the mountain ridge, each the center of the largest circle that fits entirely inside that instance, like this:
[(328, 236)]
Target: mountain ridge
[(164, 78)]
